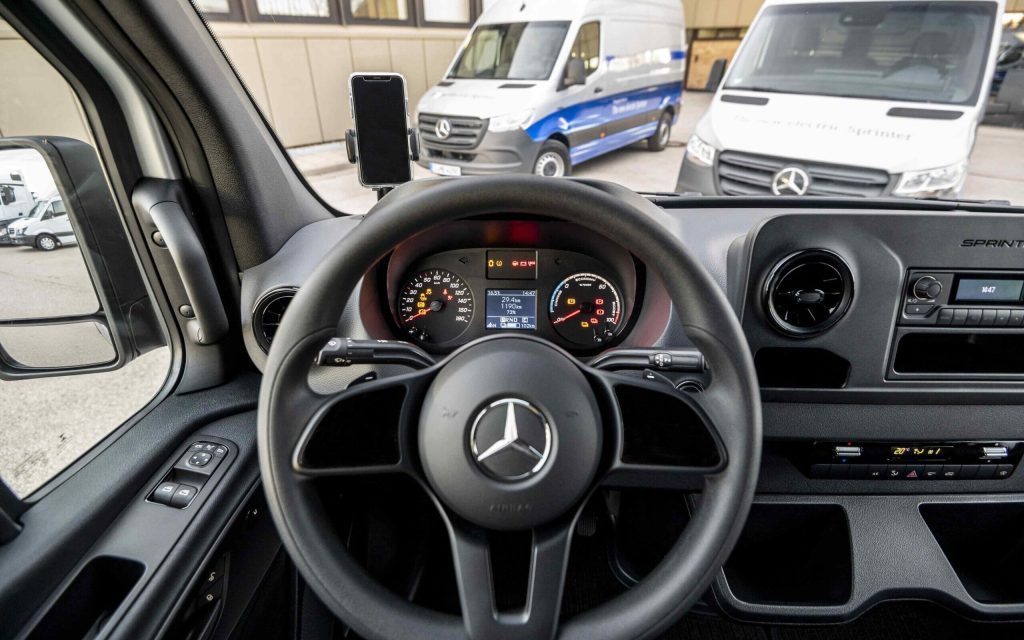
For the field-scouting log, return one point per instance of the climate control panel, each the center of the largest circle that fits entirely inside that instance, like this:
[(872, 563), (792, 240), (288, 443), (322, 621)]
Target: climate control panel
[(911, 460)]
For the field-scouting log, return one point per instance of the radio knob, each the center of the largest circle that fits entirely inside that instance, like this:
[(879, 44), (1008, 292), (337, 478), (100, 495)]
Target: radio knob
[(927, 288)]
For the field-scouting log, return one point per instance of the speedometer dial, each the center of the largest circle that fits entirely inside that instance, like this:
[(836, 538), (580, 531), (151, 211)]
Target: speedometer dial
[(435, 306), (585, 309)]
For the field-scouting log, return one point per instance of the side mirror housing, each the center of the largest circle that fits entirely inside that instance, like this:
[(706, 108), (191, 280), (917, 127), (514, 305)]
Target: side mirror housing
[(103, 317)]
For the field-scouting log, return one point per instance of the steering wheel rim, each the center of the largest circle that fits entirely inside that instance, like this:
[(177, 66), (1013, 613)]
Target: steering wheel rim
[(732, 402)]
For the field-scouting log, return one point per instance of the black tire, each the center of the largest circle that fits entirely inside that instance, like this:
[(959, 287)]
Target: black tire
[(47, 242), (552, 160), (662, 134)]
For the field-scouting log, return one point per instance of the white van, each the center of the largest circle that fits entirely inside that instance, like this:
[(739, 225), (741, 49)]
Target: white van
[(15, 198), (855, 98), (47, 227), (540, 86)]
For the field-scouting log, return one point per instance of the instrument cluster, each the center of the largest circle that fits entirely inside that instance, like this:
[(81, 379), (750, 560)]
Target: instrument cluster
[(576, 300)]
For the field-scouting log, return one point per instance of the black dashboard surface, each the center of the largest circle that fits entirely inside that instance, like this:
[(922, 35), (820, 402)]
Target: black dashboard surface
[(742, 243)]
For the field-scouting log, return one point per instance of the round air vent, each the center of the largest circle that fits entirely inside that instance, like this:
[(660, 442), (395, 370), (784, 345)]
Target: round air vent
[(267, 315), (808, 292)]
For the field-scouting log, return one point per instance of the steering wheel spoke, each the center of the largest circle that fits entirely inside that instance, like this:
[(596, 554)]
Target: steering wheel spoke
[(368, 429), (662, 438), (474, 556)]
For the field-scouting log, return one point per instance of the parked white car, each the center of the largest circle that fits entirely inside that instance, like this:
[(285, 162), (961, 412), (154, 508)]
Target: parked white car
[(856, 98), (47, 227)]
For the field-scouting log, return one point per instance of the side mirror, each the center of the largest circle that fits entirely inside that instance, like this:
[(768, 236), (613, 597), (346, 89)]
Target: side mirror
[(716, 75), (72, 299), (575, 73), (1010, 57)]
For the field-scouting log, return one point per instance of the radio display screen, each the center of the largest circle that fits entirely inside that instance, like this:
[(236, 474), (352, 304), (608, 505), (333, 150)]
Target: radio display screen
[(989, 290), (514, 309)]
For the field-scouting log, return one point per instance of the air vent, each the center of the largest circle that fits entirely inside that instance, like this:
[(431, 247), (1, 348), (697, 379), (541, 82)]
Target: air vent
[(267, 315), (808, 292)]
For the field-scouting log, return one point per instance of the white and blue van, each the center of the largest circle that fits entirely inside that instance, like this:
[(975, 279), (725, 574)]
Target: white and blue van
[(541, 86)]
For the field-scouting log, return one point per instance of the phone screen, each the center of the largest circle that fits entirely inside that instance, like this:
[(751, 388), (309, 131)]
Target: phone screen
[(382, 136)]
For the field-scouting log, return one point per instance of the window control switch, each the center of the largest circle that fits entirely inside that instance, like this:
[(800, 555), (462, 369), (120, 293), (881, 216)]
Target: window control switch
[(164, 493), (183, 496)]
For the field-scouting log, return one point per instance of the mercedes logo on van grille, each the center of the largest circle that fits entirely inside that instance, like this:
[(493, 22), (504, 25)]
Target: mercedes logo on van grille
[(791, 181), (443, 128), (510, 439)]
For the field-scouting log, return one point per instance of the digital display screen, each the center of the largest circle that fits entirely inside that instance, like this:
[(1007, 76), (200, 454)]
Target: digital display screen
[(511, 309), (919, 453), (382, 130), (511, 265), (989, 290)]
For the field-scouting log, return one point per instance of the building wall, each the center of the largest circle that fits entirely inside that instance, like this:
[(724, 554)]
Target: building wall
[(298, 73), (35, 100)]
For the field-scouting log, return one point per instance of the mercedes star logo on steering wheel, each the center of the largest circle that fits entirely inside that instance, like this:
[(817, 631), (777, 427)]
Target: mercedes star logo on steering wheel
[(510, 439), (791, 181), (443, 128)]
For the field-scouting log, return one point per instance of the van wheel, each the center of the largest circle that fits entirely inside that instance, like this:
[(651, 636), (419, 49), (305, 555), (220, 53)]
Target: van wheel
[(661, 136), (46, 242), (552, 160)]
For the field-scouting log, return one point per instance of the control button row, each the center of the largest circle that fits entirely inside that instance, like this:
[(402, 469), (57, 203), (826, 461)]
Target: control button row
[(174, 495), (912, 471), (981, 317), (213, 448)]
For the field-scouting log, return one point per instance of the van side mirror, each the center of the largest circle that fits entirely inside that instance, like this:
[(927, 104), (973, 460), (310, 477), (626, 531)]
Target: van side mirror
[(716, 75), (575, 73), (1010, 57), (92, 311)]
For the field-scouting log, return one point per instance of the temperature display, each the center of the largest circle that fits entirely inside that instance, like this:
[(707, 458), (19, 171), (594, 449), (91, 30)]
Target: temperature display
[(919, 452), (511, 309)]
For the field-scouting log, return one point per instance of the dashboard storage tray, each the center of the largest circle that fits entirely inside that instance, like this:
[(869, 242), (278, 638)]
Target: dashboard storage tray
[(792, 554)]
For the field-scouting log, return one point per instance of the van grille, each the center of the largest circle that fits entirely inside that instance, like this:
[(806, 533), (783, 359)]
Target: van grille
[(747, 174), (466, 132)]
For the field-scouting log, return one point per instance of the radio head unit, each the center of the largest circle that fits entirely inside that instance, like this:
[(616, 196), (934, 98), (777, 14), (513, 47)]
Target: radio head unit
[(963, 299)]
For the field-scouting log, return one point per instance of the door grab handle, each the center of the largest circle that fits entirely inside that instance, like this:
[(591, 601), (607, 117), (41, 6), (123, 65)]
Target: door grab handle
[(211, 322)]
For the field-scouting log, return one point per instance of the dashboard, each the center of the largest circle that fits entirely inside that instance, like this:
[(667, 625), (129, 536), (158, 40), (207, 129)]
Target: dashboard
[(888, 339), (533, 277)]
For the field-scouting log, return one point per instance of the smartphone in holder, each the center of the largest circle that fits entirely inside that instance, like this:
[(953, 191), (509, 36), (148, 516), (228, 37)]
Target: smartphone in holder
[(382, 128)]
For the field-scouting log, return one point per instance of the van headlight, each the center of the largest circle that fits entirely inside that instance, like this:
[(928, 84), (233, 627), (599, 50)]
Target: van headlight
[(511, 121), (699, 152), (933, 182)]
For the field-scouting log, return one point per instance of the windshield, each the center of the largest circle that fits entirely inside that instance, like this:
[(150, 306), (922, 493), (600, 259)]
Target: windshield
[(916, 51), (513, 51), (38, 209), (869, 99)]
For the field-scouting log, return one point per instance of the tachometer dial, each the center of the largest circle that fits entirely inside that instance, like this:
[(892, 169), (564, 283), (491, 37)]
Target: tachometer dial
[(585, 309), (435, 306)]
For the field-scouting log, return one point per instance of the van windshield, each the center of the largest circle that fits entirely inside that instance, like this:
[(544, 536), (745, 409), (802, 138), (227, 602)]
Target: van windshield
[(915, 51), (38, 209), (512, 51)]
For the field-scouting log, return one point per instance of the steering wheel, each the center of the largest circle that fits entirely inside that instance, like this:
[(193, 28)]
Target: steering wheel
[(510, 432)]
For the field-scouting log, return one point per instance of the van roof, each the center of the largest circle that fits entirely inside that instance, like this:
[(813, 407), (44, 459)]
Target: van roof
[(505, 11)]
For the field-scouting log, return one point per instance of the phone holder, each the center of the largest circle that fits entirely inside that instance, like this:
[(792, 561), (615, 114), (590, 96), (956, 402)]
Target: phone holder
[(353, 154), (351, 149)]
